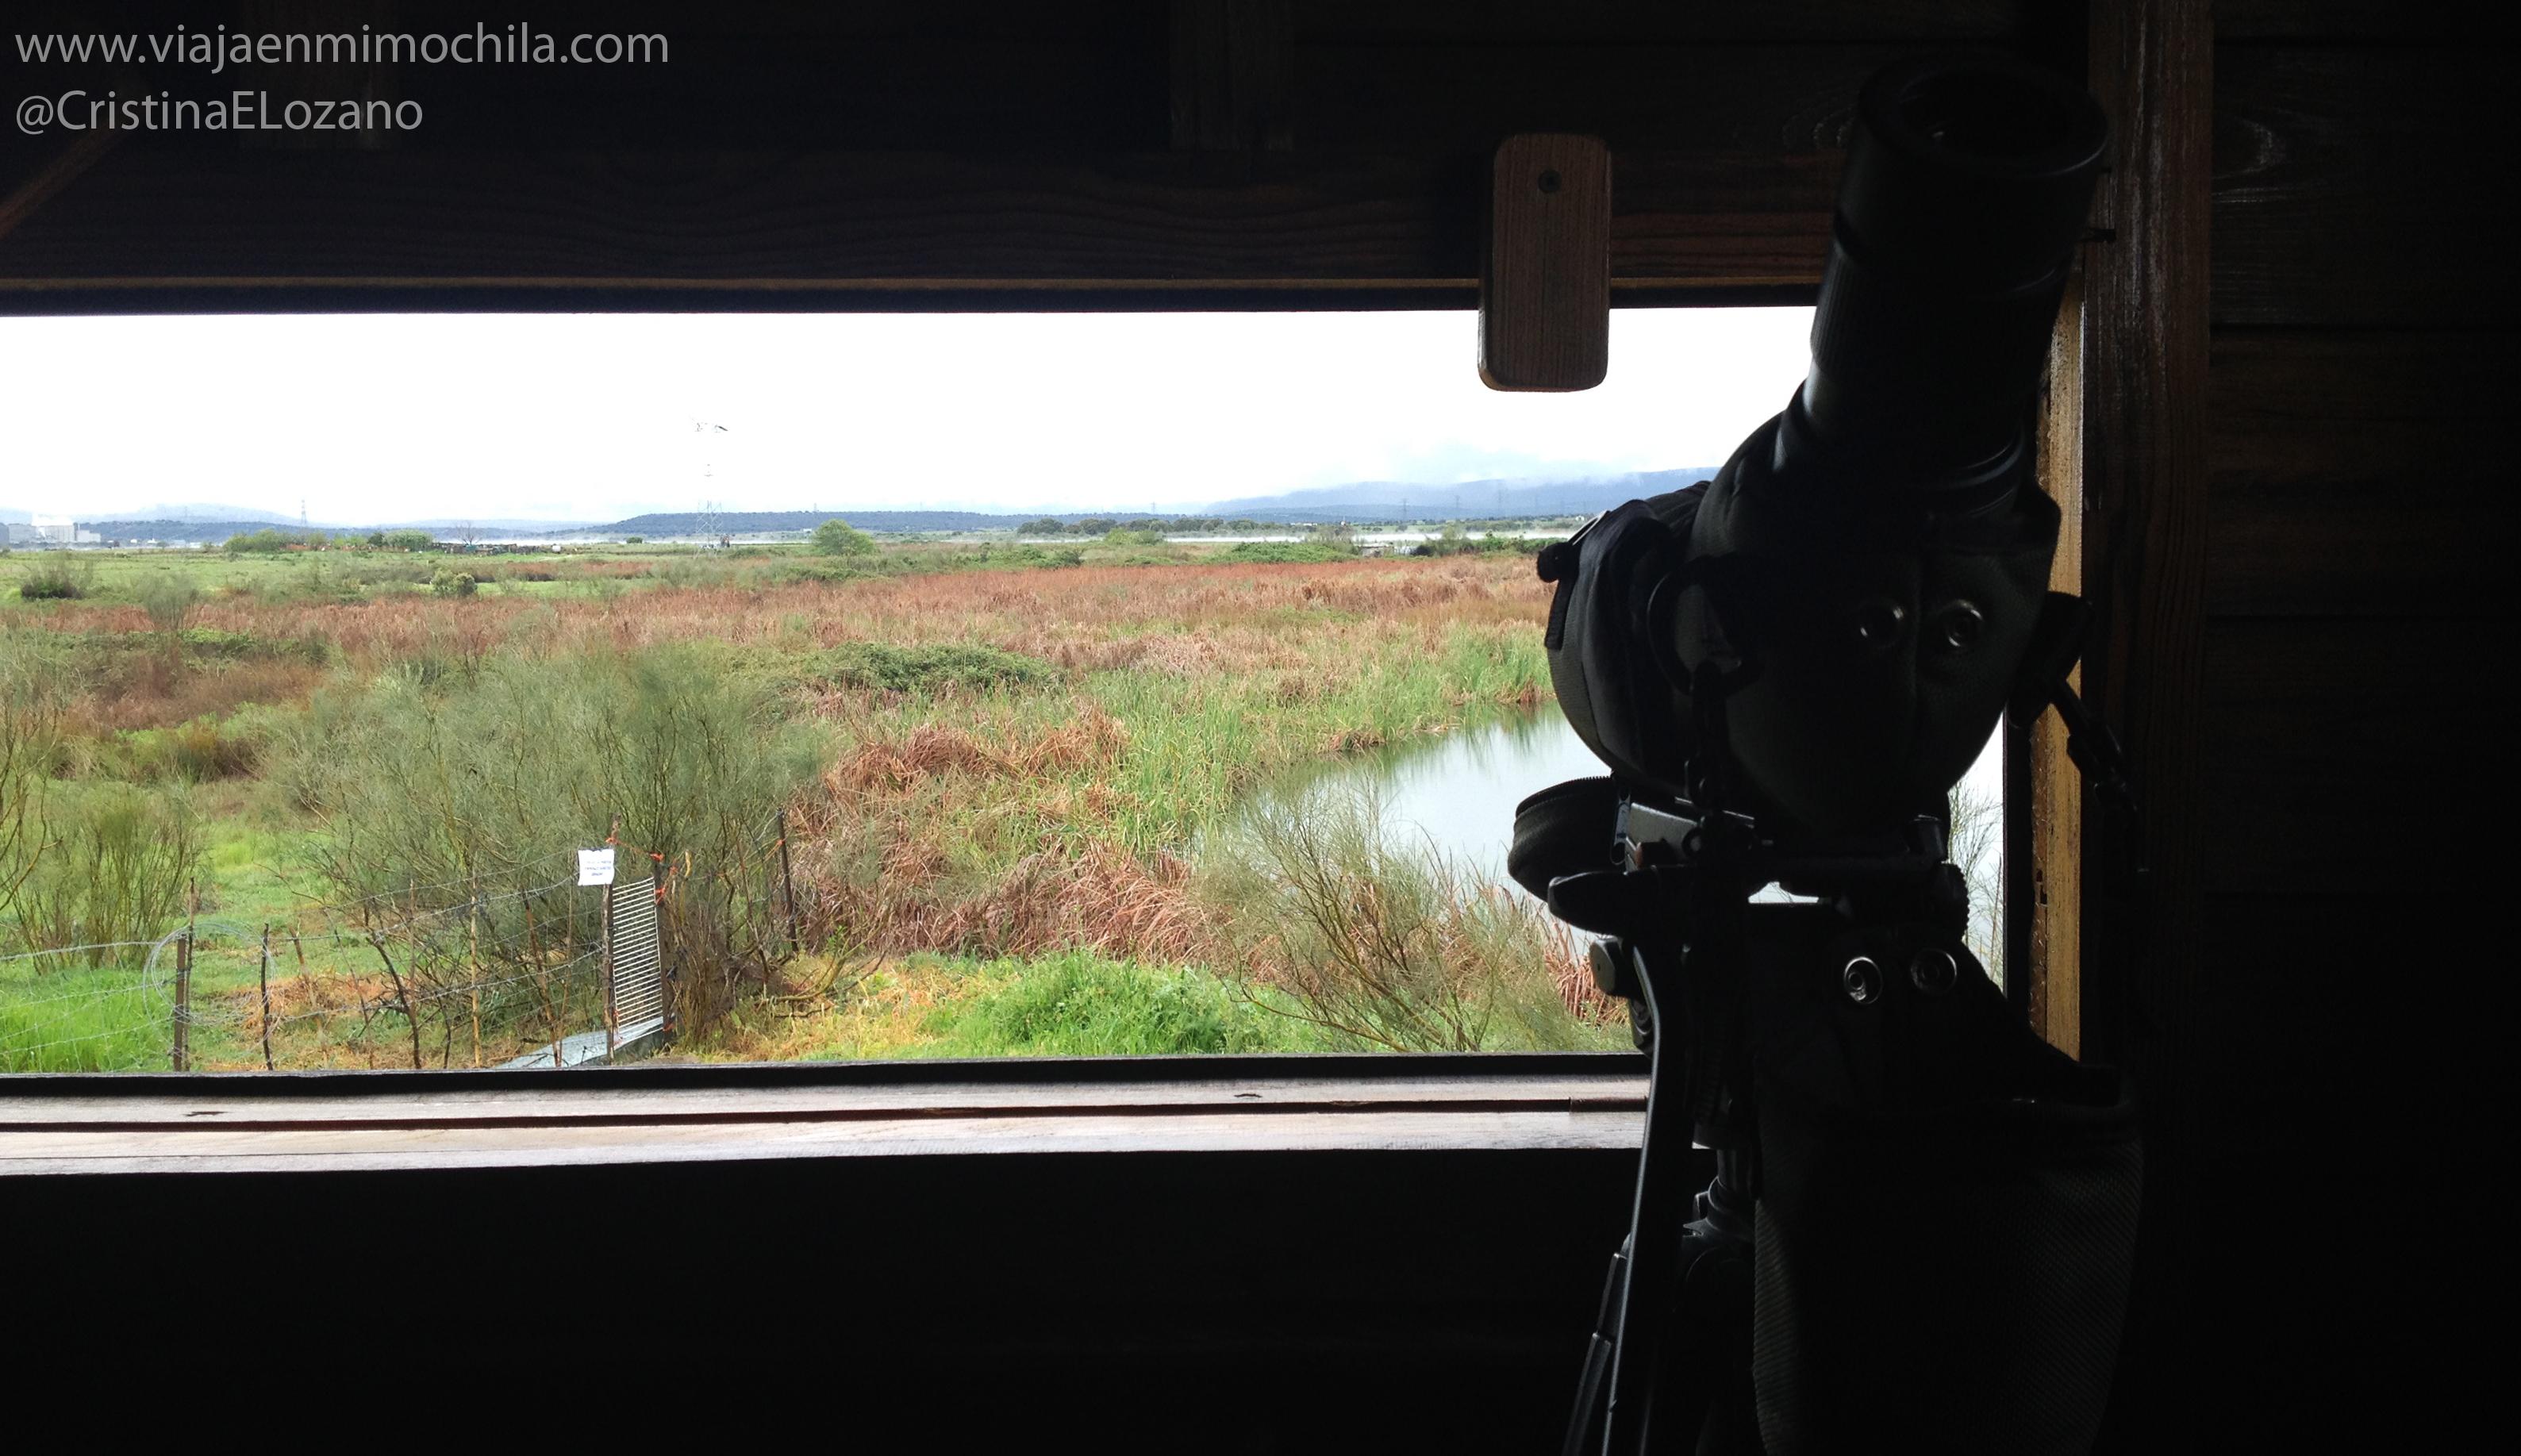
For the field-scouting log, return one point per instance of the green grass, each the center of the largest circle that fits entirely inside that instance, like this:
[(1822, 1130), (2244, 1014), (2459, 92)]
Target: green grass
[(66, 1018), (1079, 1005), (1069, 1004)]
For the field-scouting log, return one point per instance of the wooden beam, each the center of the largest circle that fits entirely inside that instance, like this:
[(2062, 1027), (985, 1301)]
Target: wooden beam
[(2146, 337), (2051, 885), (1233, 75), (626, 230), (1545, 275)]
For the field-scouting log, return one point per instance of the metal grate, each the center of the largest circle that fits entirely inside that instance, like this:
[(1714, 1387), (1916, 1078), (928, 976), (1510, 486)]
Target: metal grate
[(638, 988)]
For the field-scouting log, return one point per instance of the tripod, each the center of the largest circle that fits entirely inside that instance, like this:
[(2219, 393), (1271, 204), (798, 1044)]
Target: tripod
[(1919, 1231), (1871, 962), (1670, 1364)]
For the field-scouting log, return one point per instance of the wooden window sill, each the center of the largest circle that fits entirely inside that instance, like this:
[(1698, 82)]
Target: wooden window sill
[(320, 1121)]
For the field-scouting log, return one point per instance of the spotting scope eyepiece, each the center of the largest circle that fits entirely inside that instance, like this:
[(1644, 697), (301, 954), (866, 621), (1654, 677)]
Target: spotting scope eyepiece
[(1964, 196)]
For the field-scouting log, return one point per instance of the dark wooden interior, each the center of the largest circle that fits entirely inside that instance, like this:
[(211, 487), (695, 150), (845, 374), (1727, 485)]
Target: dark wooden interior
[(2294, 366)]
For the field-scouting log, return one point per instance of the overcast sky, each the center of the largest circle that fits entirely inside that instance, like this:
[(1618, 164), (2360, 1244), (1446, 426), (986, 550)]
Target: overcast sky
[(373, 419)]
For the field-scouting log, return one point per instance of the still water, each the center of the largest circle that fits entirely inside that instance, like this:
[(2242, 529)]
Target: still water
[(1457, 792)]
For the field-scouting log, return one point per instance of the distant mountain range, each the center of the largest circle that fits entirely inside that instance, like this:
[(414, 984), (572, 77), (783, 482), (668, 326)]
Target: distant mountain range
[(748, 523), (1362, 502)]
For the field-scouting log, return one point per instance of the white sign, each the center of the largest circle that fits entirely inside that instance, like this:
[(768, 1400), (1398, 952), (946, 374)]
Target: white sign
[(595, 866)]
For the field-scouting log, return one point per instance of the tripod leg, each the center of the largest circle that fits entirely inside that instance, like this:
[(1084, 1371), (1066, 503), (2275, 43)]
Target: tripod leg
[(1584, 1425), (1650, 1280)]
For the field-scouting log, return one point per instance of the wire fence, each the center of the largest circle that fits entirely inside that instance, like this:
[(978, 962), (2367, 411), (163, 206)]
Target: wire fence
[(446, 975)]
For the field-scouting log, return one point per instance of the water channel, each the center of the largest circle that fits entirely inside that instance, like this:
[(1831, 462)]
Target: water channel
[(1457, 792)]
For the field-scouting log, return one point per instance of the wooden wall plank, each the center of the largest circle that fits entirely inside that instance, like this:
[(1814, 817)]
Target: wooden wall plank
[(1692, 218), (1511, 21), (2334, 212), (2340, 20), (1762, 99), (1232, 75), (2361, 474), (2343, 756)]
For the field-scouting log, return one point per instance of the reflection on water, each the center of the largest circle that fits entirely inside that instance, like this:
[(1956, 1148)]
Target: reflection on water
[(1457, 792)]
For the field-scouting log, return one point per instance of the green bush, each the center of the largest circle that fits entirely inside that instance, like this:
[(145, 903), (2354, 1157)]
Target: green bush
[(1453, 540), (447, 583), (198, 751), (108, 862), (488, 777), (1385, 945), (1290, 553), (1042, 525), (838, 537), (799, 573), (269, 539), (1030, 556), (169, 597), (926, 670), (59, 577)]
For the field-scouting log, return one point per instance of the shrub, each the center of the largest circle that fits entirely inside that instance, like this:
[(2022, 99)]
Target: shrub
[(171, 600), (195, 753), (1387, 947), (269, 539), (487, 779), (634, 541), (447, 583), (58, 578), (113, 865), (1290, 553), (838, 537), (926, 669), (1042, 525), (1030, 556), (800, 573)]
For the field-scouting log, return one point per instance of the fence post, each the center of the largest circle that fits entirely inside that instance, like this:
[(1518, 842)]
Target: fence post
[(184, 1000), (183, 1057), (788, 885), (266, 998), (604, 944)]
